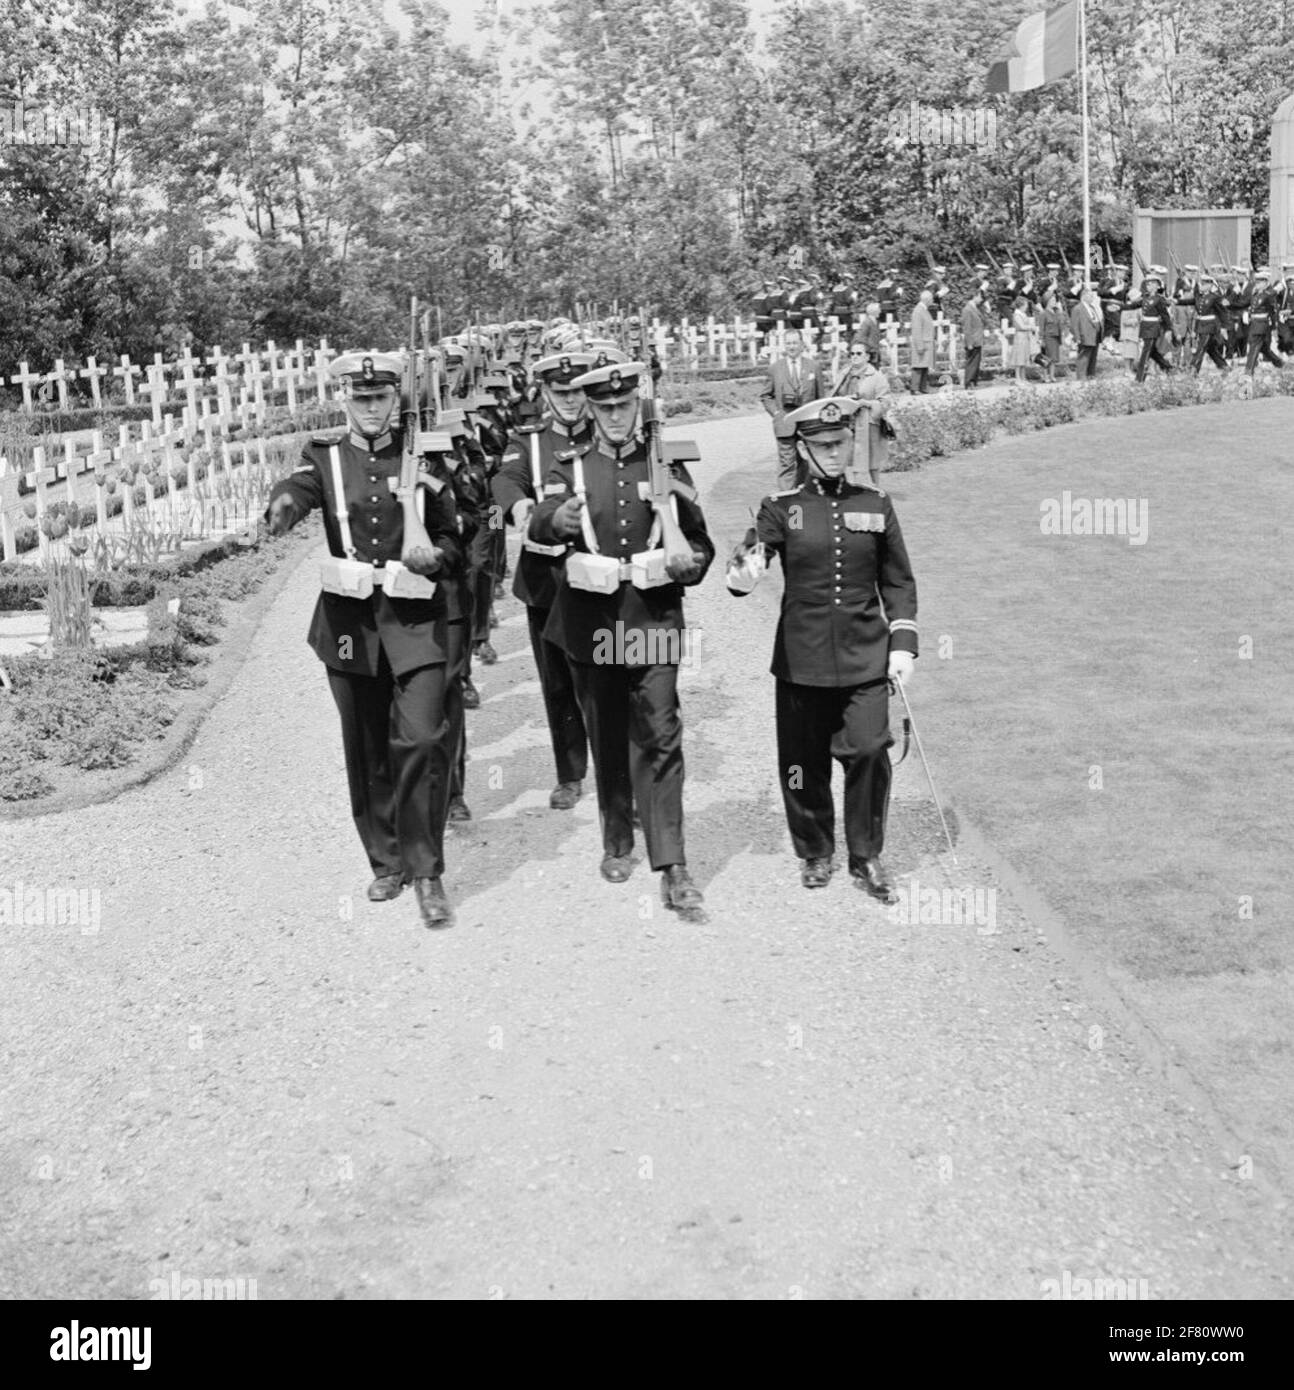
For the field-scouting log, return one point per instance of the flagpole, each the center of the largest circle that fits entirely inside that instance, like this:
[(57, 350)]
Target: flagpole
[(1087, 192)]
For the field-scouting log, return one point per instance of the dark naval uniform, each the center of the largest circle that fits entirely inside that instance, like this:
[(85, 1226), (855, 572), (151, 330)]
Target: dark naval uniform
[(1155, 320), (624, 647), (535, 584), (1208, 322), (1263, 305), (849, 601), (386, 657)]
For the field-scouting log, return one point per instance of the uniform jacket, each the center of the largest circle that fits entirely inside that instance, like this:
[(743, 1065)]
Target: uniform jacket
[(849, 597), (972, 325), (1210, 316), (535, 583), (780, 395), (615, 483), (349, 634), (1156, 316), (923, 338)]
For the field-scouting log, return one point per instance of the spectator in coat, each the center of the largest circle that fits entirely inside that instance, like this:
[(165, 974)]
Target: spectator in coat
[(867, 331), (870, 385), (973, 338), (1053, 330), (923, 344), (1022, 342), (1086, 322)]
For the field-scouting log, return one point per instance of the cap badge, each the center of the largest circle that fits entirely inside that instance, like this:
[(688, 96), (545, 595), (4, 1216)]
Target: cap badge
[(368, 369), (614, 380), (830, 413), (602, 360)]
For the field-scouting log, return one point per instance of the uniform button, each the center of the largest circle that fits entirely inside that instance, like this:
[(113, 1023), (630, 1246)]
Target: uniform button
[(623, 503), (622, 483), (837, 600), (373, 498), (625, 522), (837, 590)]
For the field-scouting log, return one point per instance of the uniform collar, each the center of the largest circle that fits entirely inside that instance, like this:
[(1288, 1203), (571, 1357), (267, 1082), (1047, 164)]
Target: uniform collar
[(371, 446), (573, 432), (616, 451), (829, 487)]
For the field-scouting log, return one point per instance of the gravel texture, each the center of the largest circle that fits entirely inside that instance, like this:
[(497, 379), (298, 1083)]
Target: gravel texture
[(249, 1071)]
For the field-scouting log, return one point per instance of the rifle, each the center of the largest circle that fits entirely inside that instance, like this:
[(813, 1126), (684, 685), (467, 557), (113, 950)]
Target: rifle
[(662, 483), (401, 582), (1069, 269), (992, 260), (1109, 259), (1036, 257)]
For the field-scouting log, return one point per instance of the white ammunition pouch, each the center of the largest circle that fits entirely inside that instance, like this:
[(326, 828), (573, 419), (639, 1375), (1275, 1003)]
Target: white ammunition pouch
[(351, 578), (348, 578), (599, 574)]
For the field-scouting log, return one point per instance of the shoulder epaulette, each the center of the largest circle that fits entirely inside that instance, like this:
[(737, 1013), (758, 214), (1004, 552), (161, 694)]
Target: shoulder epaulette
[(566, 455), (328, 438), (789, 492)]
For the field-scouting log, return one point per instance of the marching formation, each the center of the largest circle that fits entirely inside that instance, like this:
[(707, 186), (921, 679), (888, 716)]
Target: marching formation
[(557, 433), (1215, 311)]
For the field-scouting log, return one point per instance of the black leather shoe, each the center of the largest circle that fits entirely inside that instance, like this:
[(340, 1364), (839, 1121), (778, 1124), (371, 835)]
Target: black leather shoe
[(616, 867), (677, 890), (815, 873), (432, 903), (873, 877), (565, 795), (471, 695), (385, 887), (458, 809), (485, 653)]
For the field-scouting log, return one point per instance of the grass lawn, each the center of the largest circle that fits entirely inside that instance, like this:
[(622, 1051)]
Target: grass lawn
[(1094, 714)]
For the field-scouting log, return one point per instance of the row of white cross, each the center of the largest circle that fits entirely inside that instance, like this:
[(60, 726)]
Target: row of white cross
[(295, 369), (53, 475)]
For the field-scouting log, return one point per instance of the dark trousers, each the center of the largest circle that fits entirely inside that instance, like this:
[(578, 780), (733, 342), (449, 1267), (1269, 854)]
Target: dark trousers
[(1086, 360), (636, 735), (456, 651), (1150, 353), (393, 732), (1209, 343), (481, 564), (918, 384), (565, 722), (852, 725), (1260, 343), (972, 365)]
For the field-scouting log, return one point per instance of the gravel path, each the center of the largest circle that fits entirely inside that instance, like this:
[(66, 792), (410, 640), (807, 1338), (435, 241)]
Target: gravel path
[(249, 1071)]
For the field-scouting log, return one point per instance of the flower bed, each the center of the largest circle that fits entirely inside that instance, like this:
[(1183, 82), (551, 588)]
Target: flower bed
[(77, 712)]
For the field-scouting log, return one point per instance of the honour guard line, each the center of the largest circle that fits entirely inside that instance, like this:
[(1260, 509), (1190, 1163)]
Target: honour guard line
[(558, 434)]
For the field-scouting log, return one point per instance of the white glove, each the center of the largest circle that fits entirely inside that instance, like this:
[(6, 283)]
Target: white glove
[(745, 575), (901, 666), (521, 510)]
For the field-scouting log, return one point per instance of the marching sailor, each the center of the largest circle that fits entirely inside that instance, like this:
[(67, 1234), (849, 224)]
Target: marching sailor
[(558, 424), (385, 655), (847, 628), (618, 615)]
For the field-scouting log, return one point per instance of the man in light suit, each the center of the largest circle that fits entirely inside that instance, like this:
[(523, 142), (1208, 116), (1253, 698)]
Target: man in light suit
[(923, 344), (793, 381), (1088, 323)]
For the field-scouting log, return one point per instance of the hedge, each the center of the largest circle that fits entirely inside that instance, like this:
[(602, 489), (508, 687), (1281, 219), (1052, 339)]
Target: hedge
[(954, 419)]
